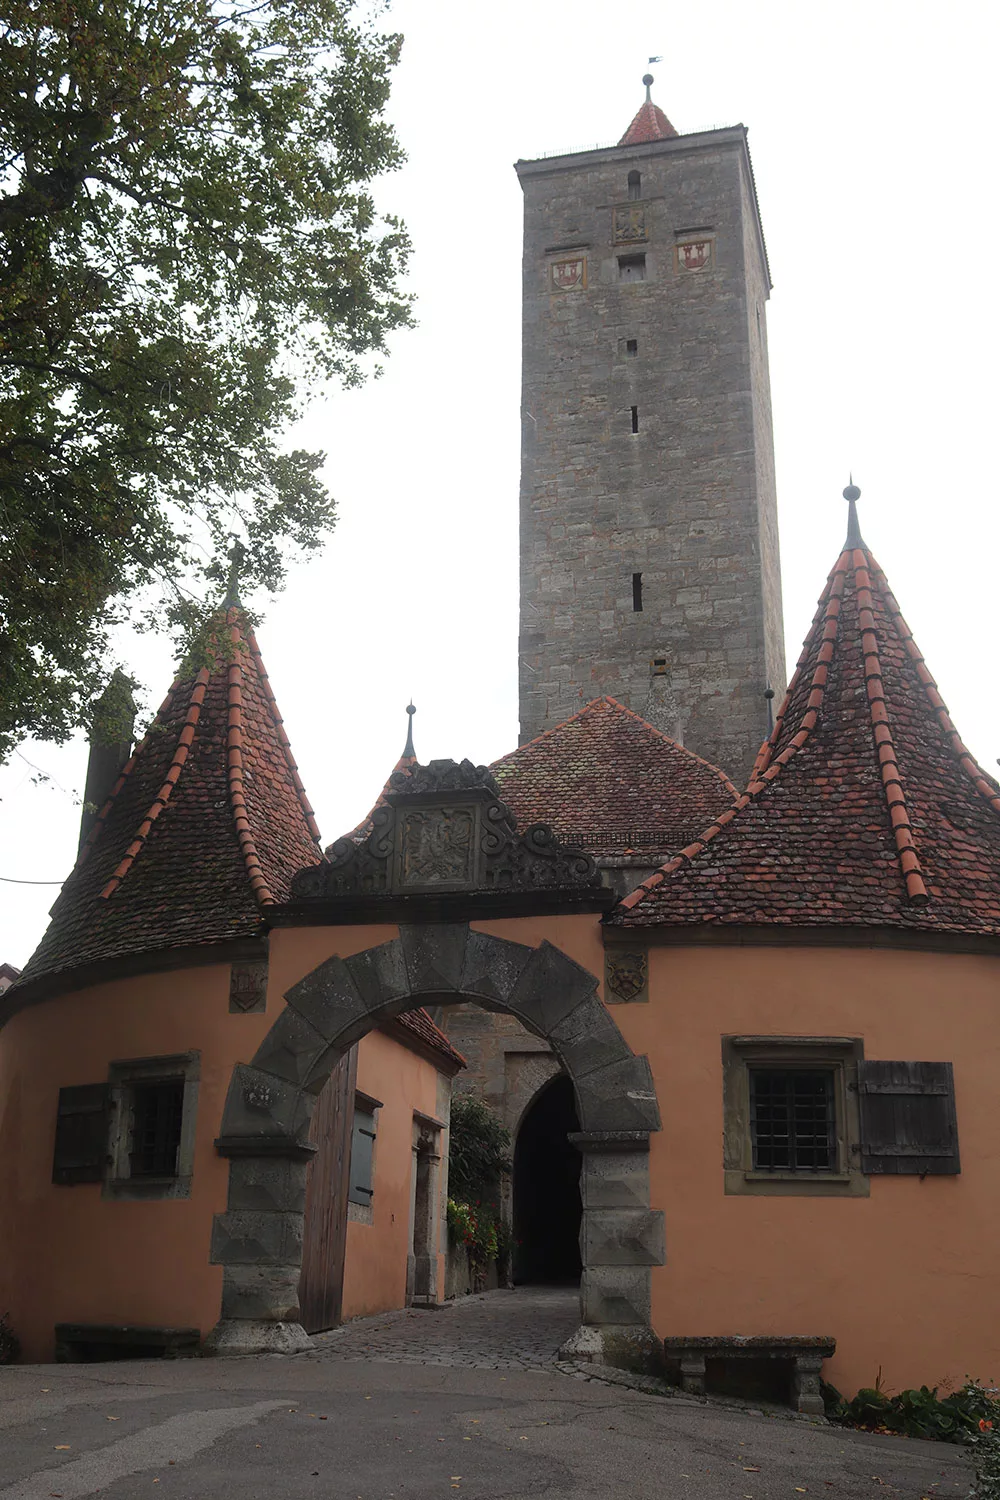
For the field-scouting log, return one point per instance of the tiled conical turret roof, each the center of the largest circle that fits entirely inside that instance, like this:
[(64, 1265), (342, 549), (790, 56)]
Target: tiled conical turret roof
[(864, 807), (650, 124), (608, 782), (204, 829)]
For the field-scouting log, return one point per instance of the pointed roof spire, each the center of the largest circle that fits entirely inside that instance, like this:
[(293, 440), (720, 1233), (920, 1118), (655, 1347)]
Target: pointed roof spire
[(237, 552), (864, 808), (202, 831), (408, 751), (650, 124), (852, 495)]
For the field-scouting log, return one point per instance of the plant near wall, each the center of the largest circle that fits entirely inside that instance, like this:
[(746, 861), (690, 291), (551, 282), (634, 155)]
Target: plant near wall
[(970, 1415), (478, 1151), (10, 1346)]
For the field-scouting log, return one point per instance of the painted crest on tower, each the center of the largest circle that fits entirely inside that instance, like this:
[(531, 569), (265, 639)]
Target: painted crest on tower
[(569, 275), (693, 255)]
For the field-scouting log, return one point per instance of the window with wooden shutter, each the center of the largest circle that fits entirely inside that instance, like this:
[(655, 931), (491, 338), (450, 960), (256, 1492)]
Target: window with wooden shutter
[(908, 1122), (81, 1149), (362, 1158)]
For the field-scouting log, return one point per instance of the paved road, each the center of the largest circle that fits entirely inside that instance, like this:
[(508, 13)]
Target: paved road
[(419, 1407)]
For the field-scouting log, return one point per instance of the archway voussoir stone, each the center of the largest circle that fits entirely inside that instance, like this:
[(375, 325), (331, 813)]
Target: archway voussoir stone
[(331, 1002), (380, 975), (434, 954), (550, 987), (295, 1050), (264, 1110), (619, 1096), (588, 1039), (493, 967)]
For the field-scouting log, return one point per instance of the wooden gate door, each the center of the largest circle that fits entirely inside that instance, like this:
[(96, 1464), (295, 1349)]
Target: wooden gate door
[(321, 1285)]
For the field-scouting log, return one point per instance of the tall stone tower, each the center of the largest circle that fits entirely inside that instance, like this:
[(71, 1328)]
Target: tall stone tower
[(649, 544)]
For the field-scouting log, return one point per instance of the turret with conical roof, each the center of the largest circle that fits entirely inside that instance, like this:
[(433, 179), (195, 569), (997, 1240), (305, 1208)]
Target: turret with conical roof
[(864, 807), (649, 123), (204, 828)]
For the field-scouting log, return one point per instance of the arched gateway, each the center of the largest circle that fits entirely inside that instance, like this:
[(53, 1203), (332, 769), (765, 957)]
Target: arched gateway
[(258, 1240)]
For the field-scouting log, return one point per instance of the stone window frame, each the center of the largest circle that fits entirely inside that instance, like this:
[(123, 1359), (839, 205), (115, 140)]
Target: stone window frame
[(123, 1076), (364, 1213), (840, 1055)]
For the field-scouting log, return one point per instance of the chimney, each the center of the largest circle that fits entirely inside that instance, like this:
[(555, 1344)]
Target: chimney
[(110, 746)]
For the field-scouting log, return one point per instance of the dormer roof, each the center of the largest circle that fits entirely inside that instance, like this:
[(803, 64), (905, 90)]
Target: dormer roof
[(864, 807), (204, 829)]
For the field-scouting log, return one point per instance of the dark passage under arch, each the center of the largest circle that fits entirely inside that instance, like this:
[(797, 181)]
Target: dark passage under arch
[(547, 1207)]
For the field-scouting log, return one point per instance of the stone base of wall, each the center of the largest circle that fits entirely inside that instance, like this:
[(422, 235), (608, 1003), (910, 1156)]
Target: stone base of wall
[(459, 1280)]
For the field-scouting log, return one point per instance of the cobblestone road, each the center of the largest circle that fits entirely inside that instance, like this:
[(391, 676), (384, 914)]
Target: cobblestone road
[(506, 1330)]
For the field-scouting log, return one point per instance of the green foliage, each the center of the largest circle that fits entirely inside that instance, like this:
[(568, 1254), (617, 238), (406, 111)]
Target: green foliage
[(190, 247), (10, 1346), (478, 1154), (967, 1415)]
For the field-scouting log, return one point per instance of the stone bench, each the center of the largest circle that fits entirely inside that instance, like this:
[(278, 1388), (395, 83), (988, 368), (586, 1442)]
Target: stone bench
[(78, 1343), (805, 1356)]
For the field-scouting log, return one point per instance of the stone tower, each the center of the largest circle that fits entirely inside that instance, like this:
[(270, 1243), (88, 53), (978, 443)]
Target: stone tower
[(649, 545)]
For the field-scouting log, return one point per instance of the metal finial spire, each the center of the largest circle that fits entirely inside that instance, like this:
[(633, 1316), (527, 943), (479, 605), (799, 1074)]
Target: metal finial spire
[(237, 552), (409, 753), (852, 495), (647, 79)]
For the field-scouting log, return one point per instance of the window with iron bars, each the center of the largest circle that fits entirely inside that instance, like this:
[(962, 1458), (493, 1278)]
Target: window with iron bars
[(792, 1119), (157, 1111)]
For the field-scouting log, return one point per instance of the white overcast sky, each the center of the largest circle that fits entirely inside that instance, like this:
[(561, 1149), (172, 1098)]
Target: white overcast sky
[(872, 131)]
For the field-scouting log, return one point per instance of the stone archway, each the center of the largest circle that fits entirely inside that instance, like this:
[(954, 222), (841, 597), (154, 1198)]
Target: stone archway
[(258, 1240)]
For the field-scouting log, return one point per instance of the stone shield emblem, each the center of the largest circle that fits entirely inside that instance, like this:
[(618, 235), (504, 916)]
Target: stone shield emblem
[(626, 974), (568, 275)]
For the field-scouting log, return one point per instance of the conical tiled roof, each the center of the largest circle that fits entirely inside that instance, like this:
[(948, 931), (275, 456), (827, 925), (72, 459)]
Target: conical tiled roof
[(204, 829), (608, 782), (650, 124), (864, 807), (406, 763)]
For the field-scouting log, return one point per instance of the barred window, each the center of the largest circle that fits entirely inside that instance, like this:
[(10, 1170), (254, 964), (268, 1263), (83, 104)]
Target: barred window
[(792, 1119), (157, 1110)]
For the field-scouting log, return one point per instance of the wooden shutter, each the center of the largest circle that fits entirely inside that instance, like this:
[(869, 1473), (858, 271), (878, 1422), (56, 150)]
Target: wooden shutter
[(362, 1148), (81, 1134), (908, 1120)]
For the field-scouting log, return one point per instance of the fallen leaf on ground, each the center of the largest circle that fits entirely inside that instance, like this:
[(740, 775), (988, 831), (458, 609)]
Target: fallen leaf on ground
[(62, 1447), (751, 1469), (111, 1419)]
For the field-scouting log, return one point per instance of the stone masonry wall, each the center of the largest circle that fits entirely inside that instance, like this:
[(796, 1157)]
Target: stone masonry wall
[(688, 499)]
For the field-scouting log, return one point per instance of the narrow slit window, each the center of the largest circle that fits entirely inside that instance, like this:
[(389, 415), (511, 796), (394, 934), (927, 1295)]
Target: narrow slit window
[(637, 593), (632, 348), (634, 186), (635, 418)]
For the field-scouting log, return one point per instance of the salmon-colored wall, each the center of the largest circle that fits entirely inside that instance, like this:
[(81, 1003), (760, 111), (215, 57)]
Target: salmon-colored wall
[(66, 1253), (375, 1269), (903, 1278)]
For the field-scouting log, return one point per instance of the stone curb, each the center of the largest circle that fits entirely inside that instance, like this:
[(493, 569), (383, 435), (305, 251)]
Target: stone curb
[(651, 1385)]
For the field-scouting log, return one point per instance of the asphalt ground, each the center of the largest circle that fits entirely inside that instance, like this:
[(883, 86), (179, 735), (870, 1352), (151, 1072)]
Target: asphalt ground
[(405, 1407)]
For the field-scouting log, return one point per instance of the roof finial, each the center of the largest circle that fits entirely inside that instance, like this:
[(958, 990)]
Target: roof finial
[(237, 552), (852, 495), (409, 753), (647, 79)]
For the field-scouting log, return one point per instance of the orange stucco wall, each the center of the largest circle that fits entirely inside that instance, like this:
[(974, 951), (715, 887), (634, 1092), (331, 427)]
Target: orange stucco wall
[(902, 1279), (375, 1268)]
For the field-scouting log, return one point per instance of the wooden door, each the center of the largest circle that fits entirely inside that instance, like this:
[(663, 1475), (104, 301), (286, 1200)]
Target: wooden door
[(321, 1285)]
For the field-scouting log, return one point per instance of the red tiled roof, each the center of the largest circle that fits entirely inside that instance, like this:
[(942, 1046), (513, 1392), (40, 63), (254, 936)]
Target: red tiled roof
[(204, 829), (608, 782), (421, 1025), (650, 124), (864, 807)]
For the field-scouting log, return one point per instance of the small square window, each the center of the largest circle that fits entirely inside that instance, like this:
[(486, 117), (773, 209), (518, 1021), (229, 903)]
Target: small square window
[(631, 348), (632, 267), (151, 1139), (791, 1118)]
